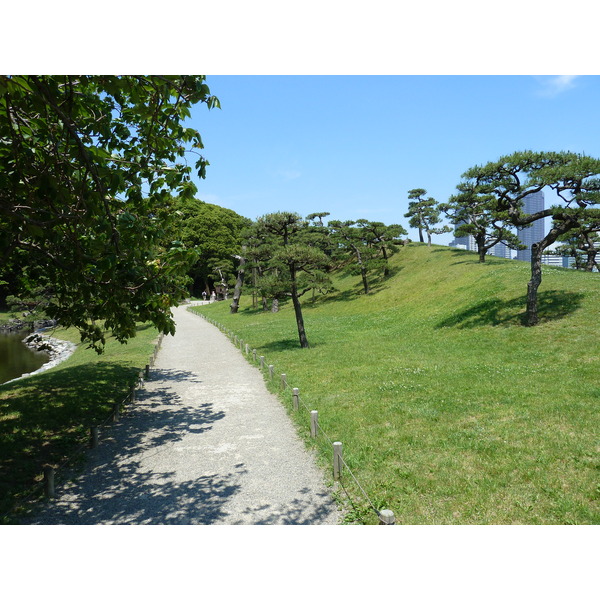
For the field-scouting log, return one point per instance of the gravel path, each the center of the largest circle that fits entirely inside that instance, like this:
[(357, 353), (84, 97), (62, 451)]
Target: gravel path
[(204, 443)]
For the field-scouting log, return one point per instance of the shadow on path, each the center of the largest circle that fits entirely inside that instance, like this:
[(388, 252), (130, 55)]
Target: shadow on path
[(119, 486)]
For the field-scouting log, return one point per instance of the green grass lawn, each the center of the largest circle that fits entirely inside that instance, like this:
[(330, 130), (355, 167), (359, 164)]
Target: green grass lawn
[(449, 409), (46, 417)]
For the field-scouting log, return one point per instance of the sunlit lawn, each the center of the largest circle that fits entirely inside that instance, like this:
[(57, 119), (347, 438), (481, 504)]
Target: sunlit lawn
[(449, 409)]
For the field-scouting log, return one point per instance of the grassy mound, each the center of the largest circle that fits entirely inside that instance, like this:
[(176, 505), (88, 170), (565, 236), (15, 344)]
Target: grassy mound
[(450, 410)]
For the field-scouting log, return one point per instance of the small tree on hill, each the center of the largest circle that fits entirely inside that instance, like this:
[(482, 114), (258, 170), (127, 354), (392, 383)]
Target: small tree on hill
[(294, 267), (583, 244), (424, 214), (478, 215), (364, 247), (384, 238)]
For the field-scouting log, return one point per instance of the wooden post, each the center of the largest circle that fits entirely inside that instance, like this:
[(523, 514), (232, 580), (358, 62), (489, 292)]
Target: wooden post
[(254, 355), (314, 420), (147, 371), (247, 349), (271, 367), (116, 413), (386, 517), (283, 381), (49, 482), (94, 437), (262, 362), (337, 460), (132, 393), (296, 399)]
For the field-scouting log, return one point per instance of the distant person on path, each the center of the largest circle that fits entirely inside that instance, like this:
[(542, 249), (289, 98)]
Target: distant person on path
[(213, 296), (204, 296)]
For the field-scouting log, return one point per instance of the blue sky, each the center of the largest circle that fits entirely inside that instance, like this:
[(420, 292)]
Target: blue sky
[(354, 145)]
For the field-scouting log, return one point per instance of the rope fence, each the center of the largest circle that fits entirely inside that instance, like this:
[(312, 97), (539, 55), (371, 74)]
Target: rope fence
[(340, 466), (50, 472)]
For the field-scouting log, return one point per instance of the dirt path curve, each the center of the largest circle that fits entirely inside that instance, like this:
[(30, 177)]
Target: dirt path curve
[(204, 443)]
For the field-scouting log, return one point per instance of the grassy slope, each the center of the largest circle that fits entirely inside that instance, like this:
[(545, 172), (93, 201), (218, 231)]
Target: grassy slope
[(449, 409), (45, 417)]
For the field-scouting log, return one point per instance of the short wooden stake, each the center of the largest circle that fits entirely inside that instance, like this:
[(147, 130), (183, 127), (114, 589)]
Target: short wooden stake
[(283, 381), (247, 349), (262, 362), (295, 398), (49, 482), (386, 517), (254, 355), (94, 437), (116, 413), (147, 371), (314, 420), (271, 367), (337, 460)]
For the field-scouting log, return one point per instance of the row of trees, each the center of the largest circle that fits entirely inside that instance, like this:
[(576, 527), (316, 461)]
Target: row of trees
[(97, 209), (291, 256), (288, 256)]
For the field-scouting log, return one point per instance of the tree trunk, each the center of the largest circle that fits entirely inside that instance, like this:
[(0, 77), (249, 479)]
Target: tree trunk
[(275, 305), (591, 252), (531, 317), (562, 224), (237, 292), (481, 249), (298, 309), (363, 274), (421, 239), (386, 270), (363, 269), (428, 238), (254, 294)]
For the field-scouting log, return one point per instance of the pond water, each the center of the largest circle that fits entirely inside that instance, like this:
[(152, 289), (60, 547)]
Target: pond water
[(16, 358)]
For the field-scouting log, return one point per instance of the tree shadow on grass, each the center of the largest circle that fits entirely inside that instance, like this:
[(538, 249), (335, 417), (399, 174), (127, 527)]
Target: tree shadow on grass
[(45, 419), (376, 285), (552, 305), (282, 345)]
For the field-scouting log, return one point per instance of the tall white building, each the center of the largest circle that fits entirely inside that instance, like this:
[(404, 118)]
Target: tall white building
[(501, 250), (530, 235), (558, 261), (466, 242)]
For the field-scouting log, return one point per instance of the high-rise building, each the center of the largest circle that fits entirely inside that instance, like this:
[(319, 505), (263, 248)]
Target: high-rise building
[(501, 250), (468, 242), (465, 242), (534, 233), (558, 261)]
